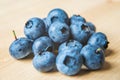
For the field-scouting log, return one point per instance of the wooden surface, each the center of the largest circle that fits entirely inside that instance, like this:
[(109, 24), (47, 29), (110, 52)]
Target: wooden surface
[(105, 14)]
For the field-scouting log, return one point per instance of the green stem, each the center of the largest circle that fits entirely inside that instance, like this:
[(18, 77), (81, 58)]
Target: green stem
[(14, 35)]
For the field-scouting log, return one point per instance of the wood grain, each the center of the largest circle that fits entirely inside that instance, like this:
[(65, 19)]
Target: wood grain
[(105, 14)]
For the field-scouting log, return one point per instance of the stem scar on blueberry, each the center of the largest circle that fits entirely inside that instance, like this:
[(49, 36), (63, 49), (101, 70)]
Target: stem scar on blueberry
[(98, 50), (28, 24), (85, 27), (40, 52), (14, 35), (49, 48), (71, 40)]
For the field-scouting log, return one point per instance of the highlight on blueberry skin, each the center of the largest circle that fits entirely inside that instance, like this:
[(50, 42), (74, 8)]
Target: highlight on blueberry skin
[(57, 14), (81, 32), (100, 39), (41, 44), (20, 48), (76, 19), (59, 32), (44, 62), (34, 28), (69, 62), (93, 57), (70, 44)]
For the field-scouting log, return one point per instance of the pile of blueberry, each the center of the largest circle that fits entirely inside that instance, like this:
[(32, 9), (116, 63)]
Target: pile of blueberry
[(74, 39)]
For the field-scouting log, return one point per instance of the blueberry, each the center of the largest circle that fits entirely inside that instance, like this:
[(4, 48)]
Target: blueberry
[(44, 62), (70, 44), (34, 28), (69, 61), (93, 57), (91, 25), (76, 19), (100, 39), (42, 44), (46, 24), (20, 48), (57, 15), (59, 32), (81, 32)]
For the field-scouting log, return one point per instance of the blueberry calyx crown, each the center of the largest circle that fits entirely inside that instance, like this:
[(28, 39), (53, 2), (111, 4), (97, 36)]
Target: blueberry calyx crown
[(63, 30), (54, 18), (76, 15), (69, 61), (85, 27), (29, 24), (98, 51), (20, 50), (106, 44)]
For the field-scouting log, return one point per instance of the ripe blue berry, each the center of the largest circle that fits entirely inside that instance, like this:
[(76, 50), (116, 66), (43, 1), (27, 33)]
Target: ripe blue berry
[(69, 61), (57, 15), (34, 28), (44, 61), (81, 32), (59, 32), (20, 48), (93, 56), (42, 44), (100, 39)]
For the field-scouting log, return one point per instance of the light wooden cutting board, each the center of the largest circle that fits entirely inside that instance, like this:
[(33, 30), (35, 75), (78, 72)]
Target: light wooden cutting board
[(105, 14)]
